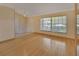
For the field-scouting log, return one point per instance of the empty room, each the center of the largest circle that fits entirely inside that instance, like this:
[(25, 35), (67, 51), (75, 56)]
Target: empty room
[(39, 29)]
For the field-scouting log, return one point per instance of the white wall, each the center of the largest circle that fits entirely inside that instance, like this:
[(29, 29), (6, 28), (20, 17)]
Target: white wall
[(6, 23), (20, 25), (30, 25), (12, 24)]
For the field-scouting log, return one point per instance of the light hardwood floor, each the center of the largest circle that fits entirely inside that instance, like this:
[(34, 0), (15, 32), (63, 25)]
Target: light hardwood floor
[(38, 45)]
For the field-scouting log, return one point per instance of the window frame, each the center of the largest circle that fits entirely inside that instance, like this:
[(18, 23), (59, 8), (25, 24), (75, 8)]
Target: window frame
[(76, 25), (42, 25)]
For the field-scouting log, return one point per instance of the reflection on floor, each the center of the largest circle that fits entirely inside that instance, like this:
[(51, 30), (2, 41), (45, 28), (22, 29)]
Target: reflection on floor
[(38, 45)]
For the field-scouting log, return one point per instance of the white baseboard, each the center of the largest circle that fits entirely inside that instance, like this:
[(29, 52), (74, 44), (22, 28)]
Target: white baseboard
[(22, 34)]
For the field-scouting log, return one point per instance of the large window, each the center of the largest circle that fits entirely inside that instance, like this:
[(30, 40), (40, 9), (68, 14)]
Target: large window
[(54, 24), (77, 24)]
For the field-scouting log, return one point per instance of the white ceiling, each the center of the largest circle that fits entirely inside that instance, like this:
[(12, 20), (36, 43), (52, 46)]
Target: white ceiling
[(32, 9)]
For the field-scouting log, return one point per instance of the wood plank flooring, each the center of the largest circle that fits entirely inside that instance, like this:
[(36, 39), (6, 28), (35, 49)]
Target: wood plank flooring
[(39, 45)]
